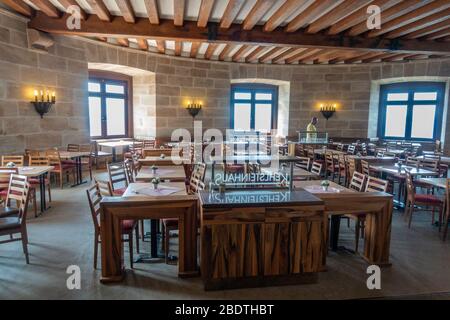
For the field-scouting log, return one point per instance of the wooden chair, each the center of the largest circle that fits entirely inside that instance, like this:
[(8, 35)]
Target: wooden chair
[(351, 169), (94, 198), (87, 161), (340, 147), (380, 154), (117, 175), (60, 169), (5, 178), (39, 161), (14, 222), (447, 213), (351, 149), (149, 144), (332, 165), (104, 187), (73, 147), (343, 170), (365, 167), (129, 170), (302, 163), (376, 185), (358, 181), (195, 185), (427, 200), (17, 160), (316, 168)]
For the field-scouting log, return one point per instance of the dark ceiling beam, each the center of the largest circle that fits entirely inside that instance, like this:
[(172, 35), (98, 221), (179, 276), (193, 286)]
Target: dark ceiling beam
[(258, 11), (119, 28), (194, 49), (231, 12), (282, 13)]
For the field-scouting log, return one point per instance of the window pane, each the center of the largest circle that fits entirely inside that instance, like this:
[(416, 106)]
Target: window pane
[(421, 96), (94, 87), (397, 96), (242, 113), (395, 121), (263, 96), (112, 88), (242, 95), (423, 121), (263, 117), (115, 115), (95, 116)]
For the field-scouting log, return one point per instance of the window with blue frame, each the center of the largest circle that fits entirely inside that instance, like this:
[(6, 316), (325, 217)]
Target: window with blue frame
[(411, 111), (254, 107)]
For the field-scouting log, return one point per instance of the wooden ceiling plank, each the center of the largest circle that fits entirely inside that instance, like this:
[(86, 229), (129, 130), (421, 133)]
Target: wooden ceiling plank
[(438, 34), (166, 30), (240, 53), (194, 49), (178, 48), (231, 12), (225, 51), (178, 14), (361, 57), (390, 14), (420, 24), (123, 42), (413, 16), (431, 29), (68, 3), (19, 6), (47, 7), (312, 56), (258, 11), (253, 56), (344, 55), (100, 9), (204, 13), (282, 13), (210, 50), (311, 13), (127, 10), (396, 57), (270, 54), (301, 55), (143, 44), (286, 54), (360, 16), (338, 13), (161, 45), (377, 57), (152, 11)]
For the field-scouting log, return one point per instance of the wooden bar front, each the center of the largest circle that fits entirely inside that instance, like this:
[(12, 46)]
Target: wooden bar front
[(261, 238)]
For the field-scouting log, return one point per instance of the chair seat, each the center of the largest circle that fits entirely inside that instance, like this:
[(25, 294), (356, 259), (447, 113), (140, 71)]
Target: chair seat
[(119, 192), (8, 212), (428, 198), (170, 222), (36, 181), (128, 226), (68, 162), (9, 223)]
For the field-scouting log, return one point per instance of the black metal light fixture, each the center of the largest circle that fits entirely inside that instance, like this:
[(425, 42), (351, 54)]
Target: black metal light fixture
[(327, 110), (43, 102), (194, 108)]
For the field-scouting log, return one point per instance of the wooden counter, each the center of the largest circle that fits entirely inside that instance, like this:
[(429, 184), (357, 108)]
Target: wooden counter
[(252, 238)]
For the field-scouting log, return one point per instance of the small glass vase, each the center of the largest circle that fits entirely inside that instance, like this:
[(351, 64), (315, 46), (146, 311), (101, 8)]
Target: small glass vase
[(155, 186)]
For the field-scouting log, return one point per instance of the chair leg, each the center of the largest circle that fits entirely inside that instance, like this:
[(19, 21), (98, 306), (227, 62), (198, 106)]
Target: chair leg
[(130, 246), (25, 243), (357, 232), (411, 211), (34, 203), (141, 222), (166, 244), (137, 238), (49, 192), (95, 251), (446, 221)]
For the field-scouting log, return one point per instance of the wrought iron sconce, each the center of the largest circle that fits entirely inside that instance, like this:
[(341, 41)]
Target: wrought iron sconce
[(194, 108), (43, 102), (328, 110)]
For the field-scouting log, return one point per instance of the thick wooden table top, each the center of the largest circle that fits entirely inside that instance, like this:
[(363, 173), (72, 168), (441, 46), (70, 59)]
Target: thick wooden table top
[(444, 160), (372, 158), (298, 172), (138, 192), (34, 171), (173, 173), (436, 182), (257, 198), (71, 154), (113, 144), (315, 187), (254, 158), (393, 169), (166, 161), (322, 152)]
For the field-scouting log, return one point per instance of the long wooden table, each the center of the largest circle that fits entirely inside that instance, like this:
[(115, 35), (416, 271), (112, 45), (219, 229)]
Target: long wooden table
[(38, 172), (172, 173), (137, 205), (255, 237), (114, 145), (166, 161), (76, 155), (378, 207)]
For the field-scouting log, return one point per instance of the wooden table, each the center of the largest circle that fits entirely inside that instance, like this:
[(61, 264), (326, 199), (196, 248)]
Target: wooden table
[(167, 161), (298, 173), (140, 206), (156, 152), (171, 173), (255, 237), (443, 159), (40, 172), (114, 145), (322, 152), (435, 182), (72, 155), (378, 206), (394, 170)]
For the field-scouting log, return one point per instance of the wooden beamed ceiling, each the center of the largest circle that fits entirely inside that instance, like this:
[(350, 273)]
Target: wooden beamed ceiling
[(261, 31)]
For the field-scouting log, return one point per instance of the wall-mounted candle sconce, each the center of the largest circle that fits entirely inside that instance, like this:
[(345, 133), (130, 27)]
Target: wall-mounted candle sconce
[(194, 108), (328, 110), (43, 101)]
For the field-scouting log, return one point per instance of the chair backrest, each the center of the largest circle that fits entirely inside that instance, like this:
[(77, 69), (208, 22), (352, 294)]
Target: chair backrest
[(412, 161), (357, 182), (340, 147), (19, 190), (316, 168), (329, 159), (87, 148), (17, 160), (351, 149), (104, 188), (376, 185), (380, 154), (117, 174), (303, 162), (5, 177), (71, 147), (365, 167), (364, 149), (430, 164), (149, 143), (197, 178), (311, 154), (53, 157), (94, 198), (37, 161), (30, 152), (129, 170), (351, 166), (411, 189)]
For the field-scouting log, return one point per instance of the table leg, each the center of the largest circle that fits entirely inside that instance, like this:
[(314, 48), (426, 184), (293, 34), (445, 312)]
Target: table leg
[(78, 173), (334, 232), (42, 191), (154, 238), (114, 154), (291, 178)]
